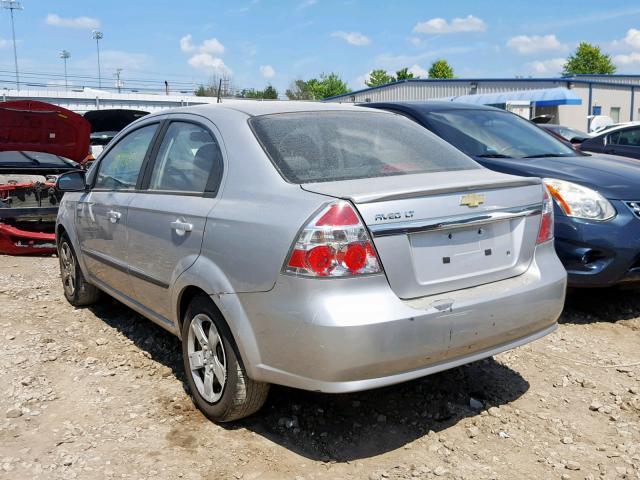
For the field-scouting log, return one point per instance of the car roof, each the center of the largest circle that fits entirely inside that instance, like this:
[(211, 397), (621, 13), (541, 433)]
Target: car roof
[(431, 106), (256, 107), (610, 129)]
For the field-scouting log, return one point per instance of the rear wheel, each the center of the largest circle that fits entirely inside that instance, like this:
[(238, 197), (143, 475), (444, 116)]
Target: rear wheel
[(77, 290), (218, 382)]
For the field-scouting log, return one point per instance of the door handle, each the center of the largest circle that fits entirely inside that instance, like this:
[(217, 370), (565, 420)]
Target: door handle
[(113, 216), (181, 227)]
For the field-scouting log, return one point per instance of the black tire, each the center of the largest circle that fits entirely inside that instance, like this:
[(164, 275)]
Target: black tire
[(239, 396), (77, 290)]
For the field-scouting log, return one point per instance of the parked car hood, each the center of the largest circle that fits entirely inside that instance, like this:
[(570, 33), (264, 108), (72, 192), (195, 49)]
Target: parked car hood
[(30, 125), (617, 178)]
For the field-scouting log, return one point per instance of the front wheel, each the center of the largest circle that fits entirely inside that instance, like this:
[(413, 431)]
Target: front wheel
[(77, 290), (219, 384)]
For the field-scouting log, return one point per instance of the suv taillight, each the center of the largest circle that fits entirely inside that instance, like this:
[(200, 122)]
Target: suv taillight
[(545, 232), (335, 243)]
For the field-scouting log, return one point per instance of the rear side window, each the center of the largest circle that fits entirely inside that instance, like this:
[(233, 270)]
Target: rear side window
[(328, 146), (119, 168), (188, 155)]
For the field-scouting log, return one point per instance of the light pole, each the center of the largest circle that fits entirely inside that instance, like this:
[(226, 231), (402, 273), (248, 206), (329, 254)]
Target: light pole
[(64, 55), (12, 5), (119, 83), (97, 36)]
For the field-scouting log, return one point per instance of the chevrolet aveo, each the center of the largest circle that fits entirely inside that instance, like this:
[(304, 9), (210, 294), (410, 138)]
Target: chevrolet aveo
[(323, 247)]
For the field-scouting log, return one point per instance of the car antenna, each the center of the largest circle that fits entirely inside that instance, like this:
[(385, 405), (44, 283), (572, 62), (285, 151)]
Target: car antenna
[(219, 91)]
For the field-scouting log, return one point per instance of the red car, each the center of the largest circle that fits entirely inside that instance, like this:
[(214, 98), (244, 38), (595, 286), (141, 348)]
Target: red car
[(37, 142)]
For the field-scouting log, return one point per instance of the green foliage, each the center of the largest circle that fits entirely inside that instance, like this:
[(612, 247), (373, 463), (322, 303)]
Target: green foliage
[(404, 74), (588, 59), (208, 91), (269, 93), (327, 85), (382, 77), (441, 69), (379, 77), (299, 90)]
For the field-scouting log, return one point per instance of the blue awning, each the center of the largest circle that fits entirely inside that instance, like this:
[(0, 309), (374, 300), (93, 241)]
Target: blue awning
[(540, 97)]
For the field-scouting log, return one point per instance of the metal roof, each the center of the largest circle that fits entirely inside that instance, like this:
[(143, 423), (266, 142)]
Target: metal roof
[(573, 79), (542, 97)]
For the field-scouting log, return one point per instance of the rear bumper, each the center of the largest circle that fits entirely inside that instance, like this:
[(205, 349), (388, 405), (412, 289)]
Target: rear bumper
[(343, 335), (600, 254)]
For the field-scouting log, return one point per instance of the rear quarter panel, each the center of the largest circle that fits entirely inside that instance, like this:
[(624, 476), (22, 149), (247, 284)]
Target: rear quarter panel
[(257, 218)]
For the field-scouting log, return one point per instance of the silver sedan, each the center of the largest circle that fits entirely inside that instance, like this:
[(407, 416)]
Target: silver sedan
[(325, 247)]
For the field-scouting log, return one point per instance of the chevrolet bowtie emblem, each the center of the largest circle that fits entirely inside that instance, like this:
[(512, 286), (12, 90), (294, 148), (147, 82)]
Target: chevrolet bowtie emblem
[(472, 200)]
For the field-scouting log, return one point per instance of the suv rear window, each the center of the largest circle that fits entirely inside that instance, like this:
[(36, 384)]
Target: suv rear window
[(328, 146)]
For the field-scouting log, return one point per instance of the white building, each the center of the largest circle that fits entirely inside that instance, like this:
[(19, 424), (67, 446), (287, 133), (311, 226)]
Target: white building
[(612, 95), (81, 101)]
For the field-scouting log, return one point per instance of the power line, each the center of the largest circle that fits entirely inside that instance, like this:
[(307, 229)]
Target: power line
[(47, 75)]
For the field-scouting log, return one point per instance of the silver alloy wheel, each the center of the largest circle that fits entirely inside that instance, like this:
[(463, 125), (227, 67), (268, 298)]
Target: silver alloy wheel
[(68, 270), (207, 359)]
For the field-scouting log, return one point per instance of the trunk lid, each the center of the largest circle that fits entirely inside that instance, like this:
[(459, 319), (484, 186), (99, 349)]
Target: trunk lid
[(446, 231)]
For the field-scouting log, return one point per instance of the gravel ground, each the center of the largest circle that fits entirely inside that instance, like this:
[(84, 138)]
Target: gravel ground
[(99, 393)]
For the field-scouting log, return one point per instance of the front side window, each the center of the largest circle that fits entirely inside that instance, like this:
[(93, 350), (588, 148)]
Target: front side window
[(187, 157), (340, 145), (495, 134), (119, 167), (629, 137)]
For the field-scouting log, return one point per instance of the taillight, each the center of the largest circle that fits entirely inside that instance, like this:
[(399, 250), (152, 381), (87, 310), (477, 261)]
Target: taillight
[(545, 232), (335, 243)]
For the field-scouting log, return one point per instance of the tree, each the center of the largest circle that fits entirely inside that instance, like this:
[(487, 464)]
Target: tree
[(404, 74), (441, 69), (270, 93), (588, 59), (299, 90), (203, 91), (223, 82), (379, 77), (250, 93), (328, 85)]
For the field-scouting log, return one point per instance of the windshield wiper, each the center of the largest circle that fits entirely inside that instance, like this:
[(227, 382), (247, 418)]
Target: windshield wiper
[(547, 155), (30, 158), (493, 155)]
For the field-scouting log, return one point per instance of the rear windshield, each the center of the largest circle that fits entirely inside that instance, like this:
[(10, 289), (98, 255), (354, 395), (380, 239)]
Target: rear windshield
[(495, 134), (327, 146)]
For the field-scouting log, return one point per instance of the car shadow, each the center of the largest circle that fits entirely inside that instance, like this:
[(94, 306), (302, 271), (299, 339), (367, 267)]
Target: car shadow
[(589, 305), (349, 427), (161, 346), (343, 427)]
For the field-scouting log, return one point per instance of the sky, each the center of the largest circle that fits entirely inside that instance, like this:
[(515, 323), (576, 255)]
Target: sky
[(260, 42)]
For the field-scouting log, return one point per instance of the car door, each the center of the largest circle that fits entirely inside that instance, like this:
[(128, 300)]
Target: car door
[(166, 220), (101, 213), (625, 142)]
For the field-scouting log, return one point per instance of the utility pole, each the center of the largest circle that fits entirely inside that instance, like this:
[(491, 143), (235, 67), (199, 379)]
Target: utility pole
[(12, 5), (119, 83), (64, 55), (97, 36)]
